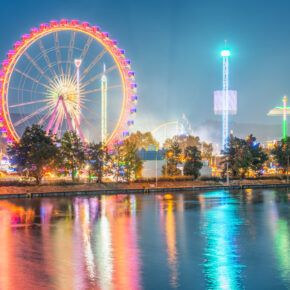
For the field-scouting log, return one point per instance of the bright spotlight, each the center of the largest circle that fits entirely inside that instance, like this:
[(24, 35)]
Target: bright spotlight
[(225, 52)]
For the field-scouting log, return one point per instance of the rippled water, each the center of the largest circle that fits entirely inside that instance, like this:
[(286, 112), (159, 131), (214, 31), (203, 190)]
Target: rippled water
[(211, 240)]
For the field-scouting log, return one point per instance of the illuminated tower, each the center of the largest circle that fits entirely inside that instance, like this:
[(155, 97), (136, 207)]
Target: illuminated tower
[(284, 111), (78, 64), (225, 101), (284, 117), (104, 88)]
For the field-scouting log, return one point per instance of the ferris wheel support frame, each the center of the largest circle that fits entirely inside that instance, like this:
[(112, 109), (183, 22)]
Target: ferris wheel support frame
[(70, 119)]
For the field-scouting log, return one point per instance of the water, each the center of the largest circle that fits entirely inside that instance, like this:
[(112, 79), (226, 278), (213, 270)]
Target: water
[(211, 240)]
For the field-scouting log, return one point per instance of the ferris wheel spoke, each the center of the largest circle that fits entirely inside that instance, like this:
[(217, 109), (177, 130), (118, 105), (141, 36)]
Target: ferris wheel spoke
[(28, 103), (58, 55), (36, 65), (31, 115), (93, 113), (45, 117), (89, 110), (93, 63), (83, 100), (84, 51), (99, 89), (43, 51), (86, 48), (29, 91), (93, 127), (70, 53), (31, 78), (88, 82)]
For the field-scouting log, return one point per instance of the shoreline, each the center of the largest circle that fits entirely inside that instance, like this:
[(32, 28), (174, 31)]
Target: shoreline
[(55, 190)]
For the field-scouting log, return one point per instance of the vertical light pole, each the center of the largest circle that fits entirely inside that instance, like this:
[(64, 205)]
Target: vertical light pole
[(284, 118), (225, 115), (104, 88), (156, 175), (78, 63)]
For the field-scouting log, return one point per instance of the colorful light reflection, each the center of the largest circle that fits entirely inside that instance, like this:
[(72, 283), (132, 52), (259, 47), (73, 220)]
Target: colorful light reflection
[(220, 228)]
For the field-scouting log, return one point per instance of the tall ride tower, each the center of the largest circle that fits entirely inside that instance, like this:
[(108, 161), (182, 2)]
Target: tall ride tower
[(78, 63), (104, 89), (284, 111), (225, 101)]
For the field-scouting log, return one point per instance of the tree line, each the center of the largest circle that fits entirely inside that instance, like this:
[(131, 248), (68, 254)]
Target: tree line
[(240, 158), (38, 152)]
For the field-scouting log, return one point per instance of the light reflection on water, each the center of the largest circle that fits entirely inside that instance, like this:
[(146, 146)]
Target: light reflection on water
[(213, 240), (220, 228)]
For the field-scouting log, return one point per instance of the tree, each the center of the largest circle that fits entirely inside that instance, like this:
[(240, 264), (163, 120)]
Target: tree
[(206, 150), (172, 158), (281, 153), (230, 157), (72, 153), (193, 161), (258, 156), (132, 161), (142, 140), (126, 160), (183, 141), (117, 158), (34, 152), (97, 158), (243, 155)]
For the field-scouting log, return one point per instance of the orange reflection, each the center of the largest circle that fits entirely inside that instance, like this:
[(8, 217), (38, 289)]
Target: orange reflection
[(5, 250), (15, 242), (171, 242), (125, 248)]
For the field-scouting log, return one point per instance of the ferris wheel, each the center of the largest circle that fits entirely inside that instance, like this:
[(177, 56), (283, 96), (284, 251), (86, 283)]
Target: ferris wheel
[(68, 75)]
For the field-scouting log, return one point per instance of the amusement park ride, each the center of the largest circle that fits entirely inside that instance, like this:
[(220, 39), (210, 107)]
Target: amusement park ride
[(225, 101), (57, 76), (284, 111)]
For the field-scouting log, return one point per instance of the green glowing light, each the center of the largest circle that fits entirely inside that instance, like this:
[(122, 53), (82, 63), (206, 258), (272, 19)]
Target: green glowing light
[(284, 129)]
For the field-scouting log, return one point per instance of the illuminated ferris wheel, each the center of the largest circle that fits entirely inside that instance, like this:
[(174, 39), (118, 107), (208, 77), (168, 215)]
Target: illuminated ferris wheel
[(68, 75)]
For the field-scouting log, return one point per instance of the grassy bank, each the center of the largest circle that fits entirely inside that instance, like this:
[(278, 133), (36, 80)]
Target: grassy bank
[(149, 185)]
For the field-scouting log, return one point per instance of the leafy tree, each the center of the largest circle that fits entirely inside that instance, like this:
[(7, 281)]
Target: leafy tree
[(183, 141), (132, 161), (193, 161), (230, 158), (117, 160), (97, 158), (206, 150), (281, 153), (142, 140), (258, 156), (72, 153), (172, 158), (126, 160), (34, 152), (243, 155)]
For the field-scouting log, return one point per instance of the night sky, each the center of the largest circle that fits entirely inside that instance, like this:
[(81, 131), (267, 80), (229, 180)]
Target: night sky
[(175, 50)]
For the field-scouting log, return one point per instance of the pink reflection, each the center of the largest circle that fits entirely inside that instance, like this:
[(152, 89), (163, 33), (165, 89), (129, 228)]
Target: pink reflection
[(169, 225)]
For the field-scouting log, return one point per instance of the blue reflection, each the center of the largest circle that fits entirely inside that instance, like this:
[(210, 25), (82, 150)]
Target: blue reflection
[(220, 228)]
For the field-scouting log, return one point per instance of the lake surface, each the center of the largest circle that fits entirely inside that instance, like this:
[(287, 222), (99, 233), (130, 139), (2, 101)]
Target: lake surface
[(210, 240)]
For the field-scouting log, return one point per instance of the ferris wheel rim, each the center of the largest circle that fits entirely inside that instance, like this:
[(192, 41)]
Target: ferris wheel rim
[(94, 32)]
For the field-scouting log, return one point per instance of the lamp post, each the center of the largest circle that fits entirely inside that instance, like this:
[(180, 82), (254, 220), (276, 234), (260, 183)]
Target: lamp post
[(156, 166)]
